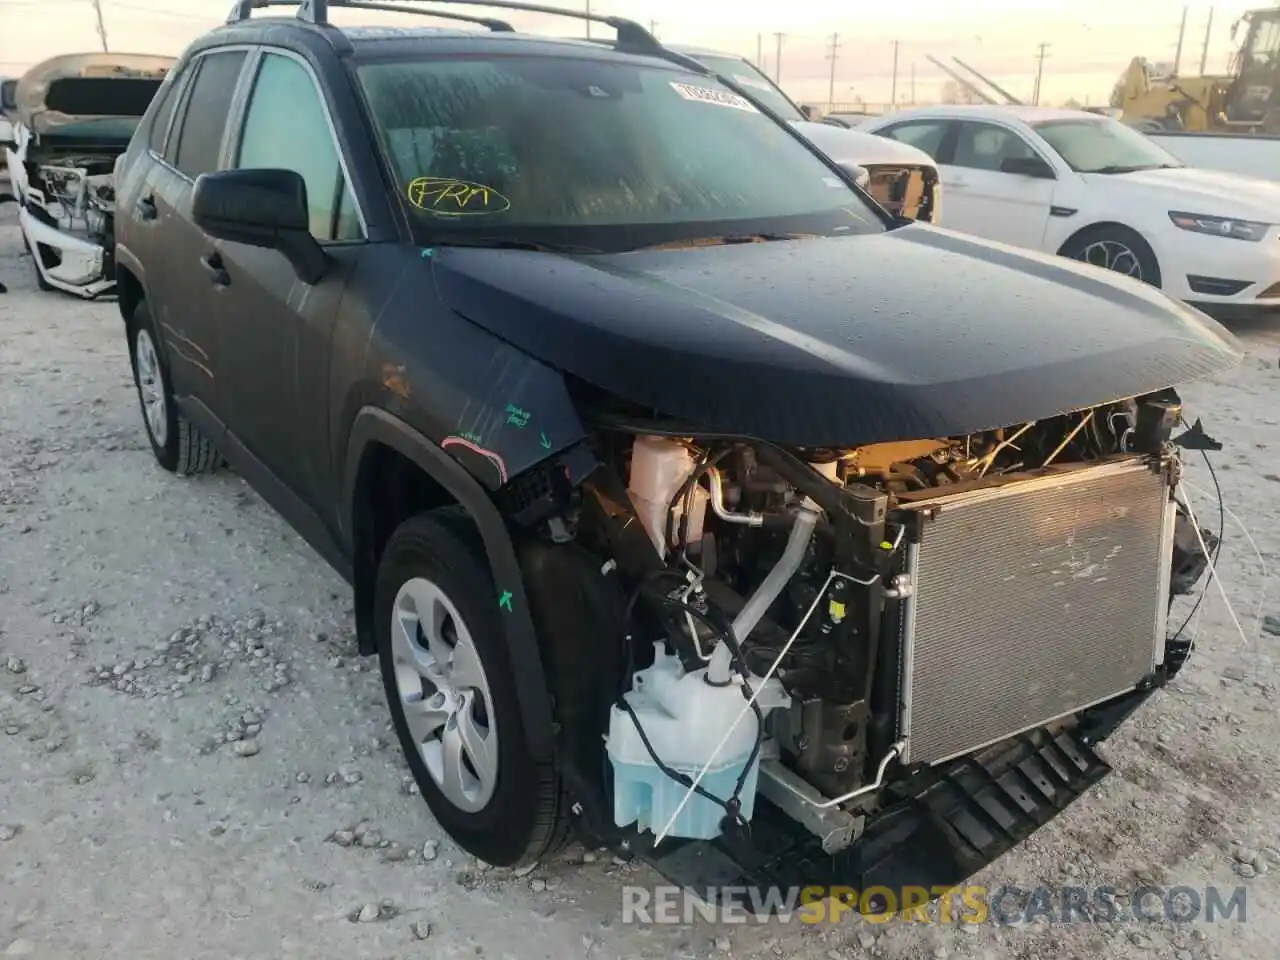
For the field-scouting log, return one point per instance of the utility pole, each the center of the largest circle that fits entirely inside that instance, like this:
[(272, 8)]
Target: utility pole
[(588, 2), (777, 62), (1182, 32), (893, 96), (102, 27), (1208, 34), (653, 27), (831, 90), (760, 50), (1035, 92), (913, 83)]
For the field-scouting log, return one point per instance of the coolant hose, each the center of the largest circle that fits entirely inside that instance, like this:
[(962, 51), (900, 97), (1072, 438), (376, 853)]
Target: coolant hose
[(769, 590)]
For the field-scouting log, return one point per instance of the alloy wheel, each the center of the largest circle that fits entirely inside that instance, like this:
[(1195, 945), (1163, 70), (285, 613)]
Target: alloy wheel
[(151, 387), (1115, 256), (444, 693)]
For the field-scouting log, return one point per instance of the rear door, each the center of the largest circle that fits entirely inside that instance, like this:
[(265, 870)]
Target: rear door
[(177, 276), (983, 200), (273, 331)]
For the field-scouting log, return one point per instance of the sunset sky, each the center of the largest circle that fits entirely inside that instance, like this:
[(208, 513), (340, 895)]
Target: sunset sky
[(1091, 41)]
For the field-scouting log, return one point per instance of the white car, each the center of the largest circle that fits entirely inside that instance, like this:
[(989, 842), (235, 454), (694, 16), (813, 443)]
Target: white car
[(75, 115), (1088, 187), (902, 178)]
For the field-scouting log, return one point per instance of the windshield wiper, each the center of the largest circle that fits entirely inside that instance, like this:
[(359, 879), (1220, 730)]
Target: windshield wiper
[(727, 238), (505, 243), (1134, 168)]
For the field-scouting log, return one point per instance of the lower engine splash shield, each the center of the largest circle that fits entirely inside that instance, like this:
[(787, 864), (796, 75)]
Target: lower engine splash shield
[(935, 829)]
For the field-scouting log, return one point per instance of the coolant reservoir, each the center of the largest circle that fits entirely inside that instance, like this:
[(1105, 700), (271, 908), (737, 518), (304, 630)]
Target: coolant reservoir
[(659, 467), (684, 718)]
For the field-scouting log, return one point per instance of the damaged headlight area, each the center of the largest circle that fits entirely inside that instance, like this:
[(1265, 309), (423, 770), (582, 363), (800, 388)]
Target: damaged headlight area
[(897, 656), (67, 217)]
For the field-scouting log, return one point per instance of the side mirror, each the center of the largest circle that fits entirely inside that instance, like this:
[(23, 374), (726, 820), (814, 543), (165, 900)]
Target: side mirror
[(1027, 167), (262, 208), (807, 110)]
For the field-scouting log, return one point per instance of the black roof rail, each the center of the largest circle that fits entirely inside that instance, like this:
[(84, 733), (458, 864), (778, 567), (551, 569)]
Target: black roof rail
[(630, 33), (306, 11)]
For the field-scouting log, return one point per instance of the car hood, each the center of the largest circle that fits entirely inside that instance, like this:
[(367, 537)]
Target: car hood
[(75, 87), (1215, 192), (918, 332), (853, 146)]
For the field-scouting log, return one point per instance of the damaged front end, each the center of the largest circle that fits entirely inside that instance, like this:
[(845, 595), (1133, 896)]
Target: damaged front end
[(76, 117), (882, 665)]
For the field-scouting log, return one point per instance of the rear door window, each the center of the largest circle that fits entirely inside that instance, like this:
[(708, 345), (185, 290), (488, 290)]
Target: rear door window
[(199, 141), (926, 135)]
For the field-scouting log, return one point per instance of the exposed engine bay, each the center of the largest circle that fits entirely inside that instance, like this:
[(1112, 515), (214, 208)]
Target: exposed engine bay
[(813, 626), (76, 116), (67, 196), (76, 193)]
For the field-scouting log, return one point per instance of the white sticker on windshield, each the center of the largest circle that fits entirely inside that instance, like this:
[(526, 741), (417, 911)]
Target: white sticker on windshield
[(722, 98)]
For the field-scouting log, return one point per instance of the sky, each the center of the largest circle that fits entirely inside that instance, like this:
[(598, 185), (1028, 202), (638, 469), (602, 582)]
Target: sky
[(1090, 41)]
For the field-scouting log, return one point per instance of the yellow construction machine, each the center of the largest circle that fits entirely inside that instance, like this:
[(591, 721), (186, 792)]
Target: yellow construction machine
[(1244, 100)]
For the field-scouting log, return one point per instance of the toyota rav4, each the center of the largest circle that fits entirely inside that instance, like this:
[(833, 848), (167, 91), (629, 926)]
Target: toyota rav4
[(690, 499)]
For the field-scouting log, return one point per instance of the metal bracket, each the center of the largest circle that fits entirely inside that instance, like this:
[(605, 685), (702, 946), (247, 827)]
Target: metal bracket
[(836, 828)]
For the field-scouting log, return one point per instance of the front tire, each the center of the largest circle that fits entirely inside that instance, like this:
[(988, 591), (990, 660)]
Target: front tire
[(452, 694), (1117, 249), (176, 442)]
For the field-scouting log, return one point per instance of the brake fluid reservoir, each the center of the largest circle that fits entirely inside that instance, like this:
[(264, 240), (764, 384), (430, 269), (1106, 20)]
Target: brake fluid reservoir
[(684, 719)]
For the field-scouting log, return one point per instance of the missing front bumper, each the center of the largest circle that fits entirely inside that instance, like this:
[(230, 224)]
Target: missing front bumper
[(933, 831)]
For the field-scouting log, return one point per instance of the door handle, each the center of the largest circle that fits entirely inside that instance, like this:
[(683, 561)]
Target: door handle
[(147, 207), (212, 262)]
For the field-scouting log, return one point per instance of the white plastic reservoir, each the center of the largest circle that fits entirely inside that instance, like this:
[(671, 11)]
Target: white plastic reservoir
[(684, 718)]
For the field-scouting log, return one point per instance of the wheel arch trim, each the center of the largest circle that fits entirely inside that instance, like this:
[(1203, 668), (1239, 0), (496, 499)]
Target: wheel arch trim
[(375, 425)]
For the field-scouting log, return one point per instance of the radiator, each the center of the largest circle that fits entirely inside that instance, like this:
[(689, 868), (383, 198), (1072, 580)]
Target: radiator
[(1031, 601)]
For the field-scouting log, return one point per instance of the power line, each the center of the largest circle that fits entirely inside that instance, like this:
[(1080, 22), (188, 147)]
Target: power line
[(102, 27), (1035, 93), (832, 55), (893, 96)]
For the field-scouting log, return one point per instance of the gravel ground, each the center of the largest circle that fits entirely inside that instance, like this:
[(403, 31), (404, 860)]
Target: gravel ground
[(194, 764)]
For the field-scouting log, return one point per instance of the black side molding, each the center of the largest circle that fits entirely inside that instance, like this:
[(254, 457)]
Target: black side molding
[(375, 425), (1063, 211)]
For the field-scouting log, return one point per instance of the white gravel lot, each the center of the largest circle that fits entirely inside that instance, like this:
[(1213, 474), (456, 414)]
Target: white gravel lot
[(185, 733)]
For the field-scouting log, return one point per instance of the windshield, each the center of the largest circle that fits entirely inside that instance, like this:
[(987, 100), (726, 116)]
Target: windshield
[(595, 154), (746, 74), (1104, 145)]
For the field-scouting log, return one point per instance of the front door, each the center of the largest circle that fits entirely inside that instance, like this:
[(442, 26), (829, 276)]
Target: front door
[(273, 330), (979, 198)]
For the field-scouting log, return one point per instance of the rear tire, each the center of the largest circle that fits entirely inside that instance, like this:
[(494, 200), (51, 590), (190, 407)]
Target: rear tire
[(176, 442), (449, 683), (1115, 248)]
